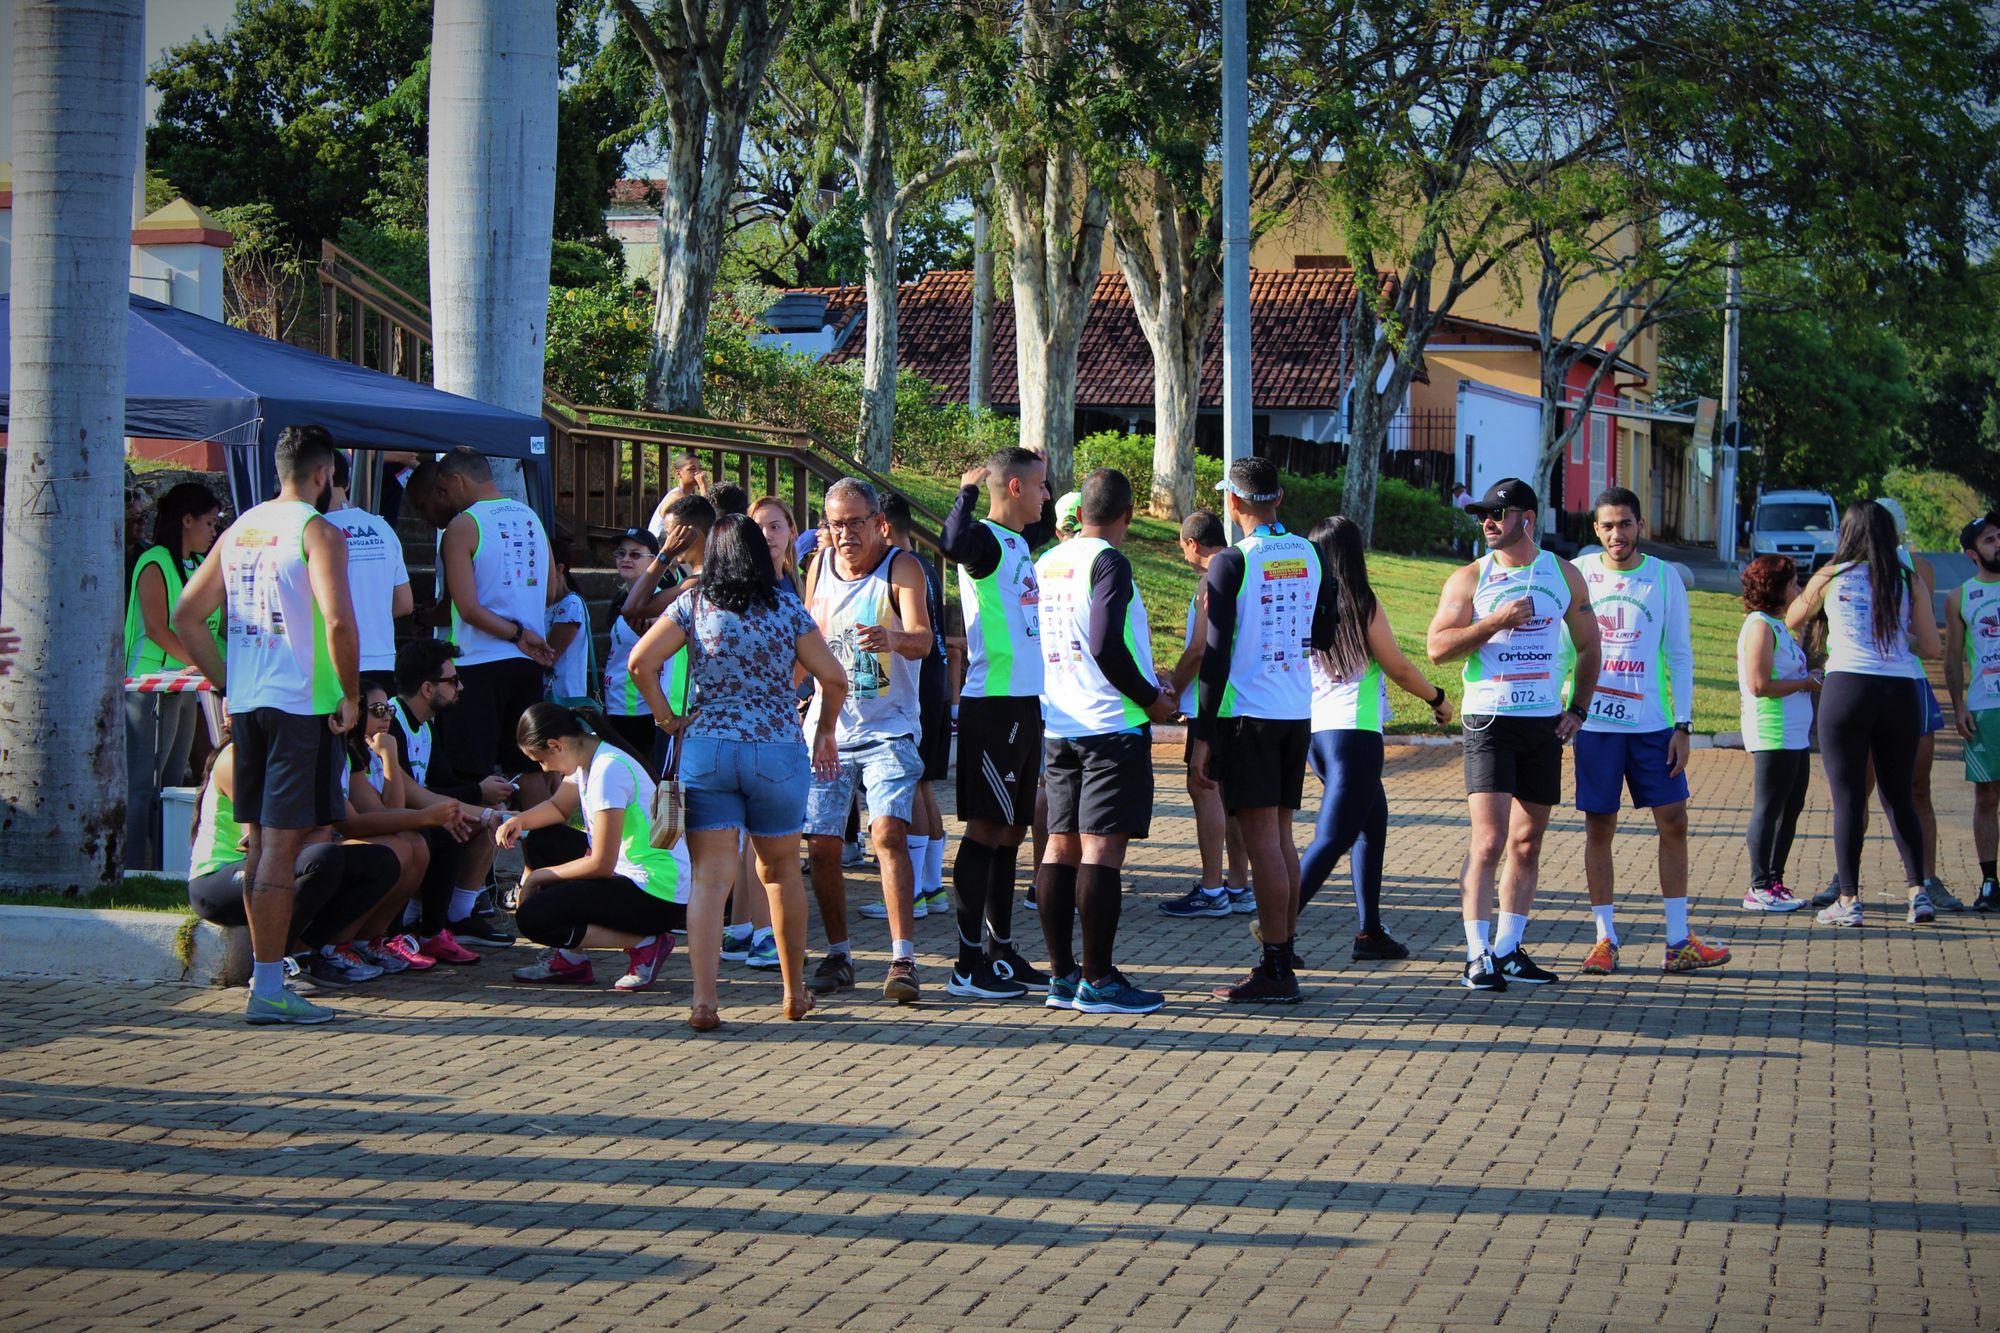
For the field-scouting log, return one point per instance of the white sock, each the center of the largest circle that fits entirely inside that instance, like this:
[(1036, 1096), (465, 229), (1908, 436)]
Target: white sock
[(571, 956), (839, 950), (933, 877), (648, 942), (1215, 893), (1478, 940), (1507, 938), (904, 949), (1605, 930), (1677, 920), (462, 903), (413, 912), (920, 853)]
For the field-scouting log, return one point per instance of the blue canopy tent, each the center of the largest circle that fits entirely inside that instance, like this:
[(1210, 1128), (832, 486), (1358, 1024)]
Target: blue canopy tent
[(190, 378)]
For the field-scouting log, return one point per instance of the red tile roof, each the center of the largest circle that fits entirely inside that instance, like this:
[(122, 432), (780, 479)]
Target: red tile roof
[(1297, 353)]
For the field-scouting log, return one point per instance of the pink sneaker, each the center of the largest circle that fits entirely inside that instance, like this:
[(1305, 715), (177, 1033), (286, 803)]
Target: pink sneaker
[(552, 969), (646, 963), (406, 948), (445, 949)]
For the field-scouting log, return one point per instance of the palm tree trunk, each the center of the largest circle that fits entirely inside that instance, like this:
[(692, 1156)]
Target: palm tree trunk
[(492, 202), (77, 71)]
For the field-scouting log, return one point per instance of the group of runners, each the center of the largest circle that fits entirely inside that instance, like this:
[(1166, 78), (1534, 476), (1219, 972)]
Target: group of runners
[(354, 816)]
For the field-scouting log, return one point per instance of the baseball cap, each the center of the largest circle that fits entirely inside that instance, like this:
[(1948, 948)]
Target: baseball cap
[(1252, 479), (643, 536), (1506, 493), (1969, 534), (1069, 511)]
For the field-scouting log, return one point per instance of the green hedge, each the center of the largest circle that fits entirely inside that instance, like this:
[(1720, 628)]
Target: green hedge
[(1133, 455)]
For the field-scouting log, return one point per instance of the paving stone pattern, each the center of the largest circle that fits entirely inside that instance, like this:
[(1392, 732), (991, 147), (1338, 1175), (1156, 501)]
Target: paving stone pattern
[(1805, 1137)]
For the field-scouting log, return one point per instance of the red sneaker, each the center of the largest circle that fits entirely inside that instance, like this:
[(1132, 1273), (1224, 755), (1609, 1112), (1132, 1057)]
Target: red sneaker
[(406, 948), (645, 964), (552, 969), (445, 949)]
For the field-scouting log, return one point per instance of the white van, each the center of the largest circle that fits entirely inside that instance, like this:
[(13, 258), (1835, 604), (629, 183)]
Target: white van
[(1801, 525)]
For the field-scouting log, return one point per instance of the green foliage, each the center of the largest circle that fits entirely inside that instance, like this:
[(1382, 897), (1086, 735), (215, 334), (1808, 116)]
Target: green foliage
[(598, 338), (1408, 519), (1937, 505), (1133, 455), (400, 254)]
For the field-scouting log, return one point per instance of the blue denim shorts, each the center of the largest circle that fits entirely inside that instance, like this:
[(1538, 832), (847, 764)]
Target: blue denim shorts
[(888, 771), (758, 786)]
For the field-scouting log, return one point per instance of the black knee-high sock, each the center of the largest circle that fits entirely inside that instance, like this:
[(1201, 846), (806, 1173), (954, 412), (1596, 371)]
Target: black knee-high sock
[(1000, 900), (1098, 894), (970, 874), (1055, 895)]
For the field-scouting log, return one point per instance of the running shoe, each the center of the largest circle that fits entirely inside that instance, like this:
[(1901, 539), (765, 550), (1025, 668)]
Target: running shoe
[(1260, 987), (285, 1007), (901, 985), (643, 964), (735, 946), (1767, 900), (406, 948), (478, 929), (834, 973), (1198, 901), (937, 902), (1989, 896), (338, 965), (1292, 960), (375, 956), (1691, 954), (1517, 966), (919, 909), (1010, 966), (1241, 901), (1788, 901), (1376, 946), (1830, 897), (851, 854), (552, 969), (1062, 991), (763, 952), (1481, 974), (982, 981), (443, 947), (1603, 959), (1942, 898), (1841, 914), (1922, 910), (1028, 900), (1113, 994)]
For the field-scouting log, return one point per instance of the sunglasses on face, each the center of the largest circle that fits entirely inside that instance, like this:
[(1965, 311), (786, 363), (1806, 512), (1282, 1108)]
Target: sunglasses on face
[(379, 710)]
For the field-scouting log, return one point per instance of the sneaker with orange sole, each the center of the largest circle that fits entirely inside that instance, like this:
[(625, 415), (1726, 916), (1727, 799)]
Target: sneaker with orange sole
[(1693, 954), (1603, 960)]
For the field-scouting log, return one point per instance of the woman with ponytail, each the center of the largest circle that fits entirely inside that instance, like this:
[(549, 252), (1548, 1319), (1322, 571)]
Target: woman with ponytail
[(606, 887)]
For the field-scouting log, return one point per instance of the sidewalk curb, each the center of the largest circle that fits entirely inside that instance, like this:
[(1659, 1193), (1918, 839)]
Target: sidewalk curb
[(1175, 734), (115, 945)]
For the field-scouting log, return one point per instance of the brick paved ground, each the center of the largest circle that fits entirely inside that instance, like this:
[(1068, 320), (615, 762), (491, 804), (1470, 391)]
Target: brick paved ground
[(1604, 1153)]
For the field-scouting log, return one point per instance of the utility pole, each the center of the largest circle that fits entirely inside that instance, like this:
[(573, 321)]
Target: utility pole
[(1235, 233), (1729, 435)]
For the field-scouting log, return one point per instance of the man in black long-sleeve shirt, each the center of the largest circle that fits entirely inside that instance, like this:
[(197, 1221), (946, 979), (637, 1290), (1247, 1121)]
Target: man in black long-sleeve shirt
[(1266, 615), (999, 708), (1102, 694)]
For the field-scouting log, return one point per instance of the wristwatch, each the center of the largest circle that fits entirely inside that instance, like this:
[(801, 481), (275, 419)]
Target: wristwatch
[(1579, 714), (1684, 728), (519, 630)]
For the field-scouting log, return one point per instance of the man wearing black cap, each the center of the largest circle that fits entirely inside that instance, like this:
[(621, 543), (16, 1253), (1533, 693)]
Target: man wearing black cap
[(1266, 615), (1504, 615), (1972, 674)]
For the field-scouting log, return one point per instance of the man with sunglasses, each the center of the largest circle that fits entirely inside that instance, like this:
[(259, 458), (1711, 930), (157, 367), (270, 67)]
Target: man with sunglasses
[(1503, 615), (427, 685)]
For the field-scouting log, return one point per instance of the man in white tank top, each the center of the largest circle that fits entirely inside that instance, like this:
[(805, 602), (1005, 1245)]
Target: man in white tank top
[(1972, 675), (868, 599), (294, 688), (495, 558), (1503, 616)]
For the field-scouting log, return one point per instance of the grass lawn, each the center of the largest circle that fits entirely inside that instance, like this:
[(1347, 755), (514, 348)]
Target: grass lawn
[(1408, 587), (142, 893)]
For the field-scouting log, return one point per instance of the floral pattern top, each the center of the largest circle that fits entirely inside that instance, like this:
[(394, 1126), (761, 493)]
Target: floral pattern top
[(742, 667)]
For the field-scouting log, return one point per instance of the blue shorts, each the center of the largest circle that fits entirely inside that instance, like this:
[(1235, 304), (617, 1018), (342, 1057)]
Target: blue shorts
[(757, 786), (887, 770), (1933, 715), (1607, 761)]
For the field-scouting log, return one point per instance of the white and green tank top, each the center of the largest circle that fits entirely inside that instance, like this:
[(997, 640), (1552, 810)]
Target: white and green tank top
[(621, 691), (1270, 671), (1850, 620), (510, 577), (1002, 623), (1979, 606), (1359, 702), (1518, 671), (1081, 702), (1773, 723), (615, 780), (278, 654)]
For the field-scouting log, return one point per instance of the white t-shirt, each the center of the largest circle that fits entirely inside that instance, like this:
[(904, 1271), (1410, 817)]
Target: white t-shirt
[(570, 677), (375, 569)]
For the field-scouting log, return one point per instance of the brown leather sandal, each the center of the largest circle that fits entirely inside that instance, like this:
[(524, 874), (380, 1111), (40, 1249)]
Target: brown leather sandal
[(703, 1018)]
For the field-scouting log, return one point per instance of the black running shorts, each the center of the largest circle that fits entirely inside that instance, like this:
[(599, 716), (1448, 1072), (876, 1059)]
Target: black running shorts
[(934, 720), (1519, 756), (287, 769), (1260, 762), (999, 758), (1100, 784)]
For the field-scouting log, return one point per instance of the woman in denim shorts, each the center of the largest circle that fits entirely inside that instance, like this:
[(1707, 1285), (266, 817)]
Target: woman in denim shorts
[(743, 759)]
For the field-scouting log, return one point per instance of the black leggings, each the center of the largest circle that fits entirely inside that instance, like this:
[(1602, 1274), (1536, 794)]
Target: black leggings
[(1864, 717), (337, 884), (1782, 779), (559, 914), (1353, 816)]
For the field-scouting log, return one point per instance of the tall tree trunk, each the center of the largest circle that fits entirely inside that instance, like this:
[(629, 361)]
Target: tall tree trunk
[(76, 121), (1176, 284), (1374, 412), (979, 379), (875, 431), (492, 200)]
